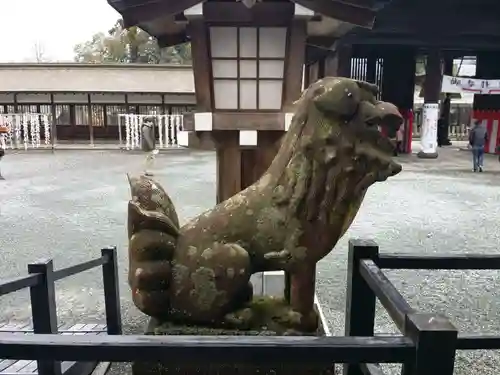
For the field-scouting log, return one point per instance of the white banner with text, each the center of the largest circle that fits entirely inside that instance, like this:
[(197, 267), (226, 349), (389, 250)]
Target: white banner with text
[(471, 85)]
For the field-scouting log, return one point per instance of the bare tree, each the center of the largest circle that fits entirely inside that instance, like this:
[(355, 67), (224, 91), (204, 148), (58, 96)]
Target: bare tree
[(39, 52)]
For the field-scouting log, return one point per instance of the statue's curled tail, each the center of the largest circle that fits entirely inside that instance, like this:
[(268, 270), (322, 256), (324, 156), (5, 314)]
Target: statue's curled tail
[(153, 229)]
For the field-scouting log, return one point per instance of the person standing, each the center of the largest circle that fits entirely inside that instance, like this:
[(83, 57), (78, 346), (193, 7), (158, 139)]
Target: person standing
[(478, 136), (2, 153), (3, 132), (148, 143), (400, 135)]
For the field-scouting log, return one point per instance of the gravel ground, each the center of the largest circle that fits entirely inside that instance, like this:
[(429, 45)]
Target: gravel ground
[(70, 204)]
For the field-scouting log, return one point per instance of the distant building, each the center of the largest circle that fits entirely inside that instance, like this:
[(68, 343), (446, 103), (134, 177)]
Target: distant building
[(86, 100), (84, 97)]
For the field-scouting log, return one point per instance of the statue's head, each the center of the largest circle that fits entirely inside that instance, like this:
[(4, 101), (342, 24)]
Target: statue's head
[(354, 125), (150, 206)]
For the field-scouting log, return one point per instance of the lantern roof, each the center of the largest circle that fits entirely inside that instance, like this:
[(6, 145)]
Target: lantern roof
[(165, 20)]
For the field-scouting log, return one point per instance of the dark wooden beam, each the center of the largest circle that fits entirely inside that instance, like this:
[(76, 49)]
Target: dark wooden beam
[(167, 40), (322, 42), (127, 22), (147, 11), (360, 16), (359, 3), (202, 66), (463, 43), (260, 14), (294, 63), (207, 350), (409, 16)]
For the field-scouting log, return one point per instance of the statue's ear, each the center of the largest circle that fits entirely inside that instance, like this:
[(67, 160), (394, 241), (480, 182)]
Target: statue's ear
[(339, 96), (367, 86)]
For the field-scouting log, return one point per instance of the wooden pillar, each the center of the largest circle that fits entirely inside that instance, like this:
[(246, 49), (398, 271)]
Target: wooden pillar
[(313, 75), (229, 176), (398, 83), (339, 64), (72, 133), (321, 68), (16, 105), (430, 110), (53, 123), (90, 120), (444, 126), (371, 67)]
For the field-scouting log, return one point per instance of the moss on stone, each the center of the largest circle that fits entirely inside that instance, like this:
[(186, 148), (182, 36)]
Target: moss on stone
[(263, 316), (270, 317)]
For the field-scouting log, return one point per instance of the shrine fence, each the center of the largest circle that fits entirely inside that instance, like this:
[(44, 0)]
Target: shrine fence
[(427, 345)]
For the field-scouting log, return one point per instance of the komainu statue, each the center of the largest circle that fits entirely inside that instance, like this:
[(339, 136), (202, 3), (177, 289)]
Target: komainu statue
[(288, 220)]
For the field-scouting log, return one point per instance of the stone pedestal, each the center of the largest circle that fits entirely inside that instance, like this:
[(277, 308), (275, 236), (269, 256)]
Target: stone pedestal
[(265, 284)]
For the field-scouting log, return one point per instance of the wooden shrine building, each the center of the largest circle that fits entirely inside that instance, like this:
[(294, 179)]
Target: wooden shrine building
[(248, 59), (439, 29), (86, 100)]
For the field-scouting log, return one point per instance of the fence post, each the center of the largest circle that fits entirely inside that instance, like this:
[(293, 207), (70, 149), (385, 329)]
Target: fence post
[(435, 340), (360, 304), (111, 292), (43, 309)]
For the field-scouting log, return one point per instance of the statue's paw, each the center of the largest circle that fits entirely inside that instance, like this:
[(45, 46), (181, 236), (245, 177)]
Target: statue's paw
[(295, 321), (240, 319), (152, 275), (150, 283), (155, 303)]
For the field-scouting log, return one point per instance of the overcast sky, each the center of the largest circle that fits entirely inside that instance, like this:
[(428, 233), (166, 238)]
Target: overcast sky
[(57, 25)]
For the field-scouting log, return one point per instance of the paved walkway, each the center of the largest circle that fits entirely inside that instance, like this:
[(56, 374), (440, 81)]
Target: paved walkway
[(68, 205), (113, 145), (86, 146)]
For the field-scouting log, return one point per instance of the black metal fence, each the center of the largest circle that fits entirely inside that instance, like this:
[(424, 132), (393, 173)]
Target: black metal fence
[(427, 346), (41, 282)]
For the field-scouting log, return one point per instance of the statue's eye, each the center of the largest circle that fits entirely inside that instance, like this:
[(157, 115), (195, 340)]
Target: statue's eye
[(319, 91)]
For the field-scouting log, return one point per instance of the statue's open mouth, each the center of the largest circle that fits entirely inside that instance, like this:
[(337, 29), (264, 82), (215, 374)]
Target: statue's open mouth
[(375, 134), (378, 127), (381, 132)]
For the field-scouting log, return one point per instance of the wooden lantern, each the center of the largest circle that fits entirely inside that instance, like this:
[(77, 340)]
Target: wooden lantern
[(247, 66)]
